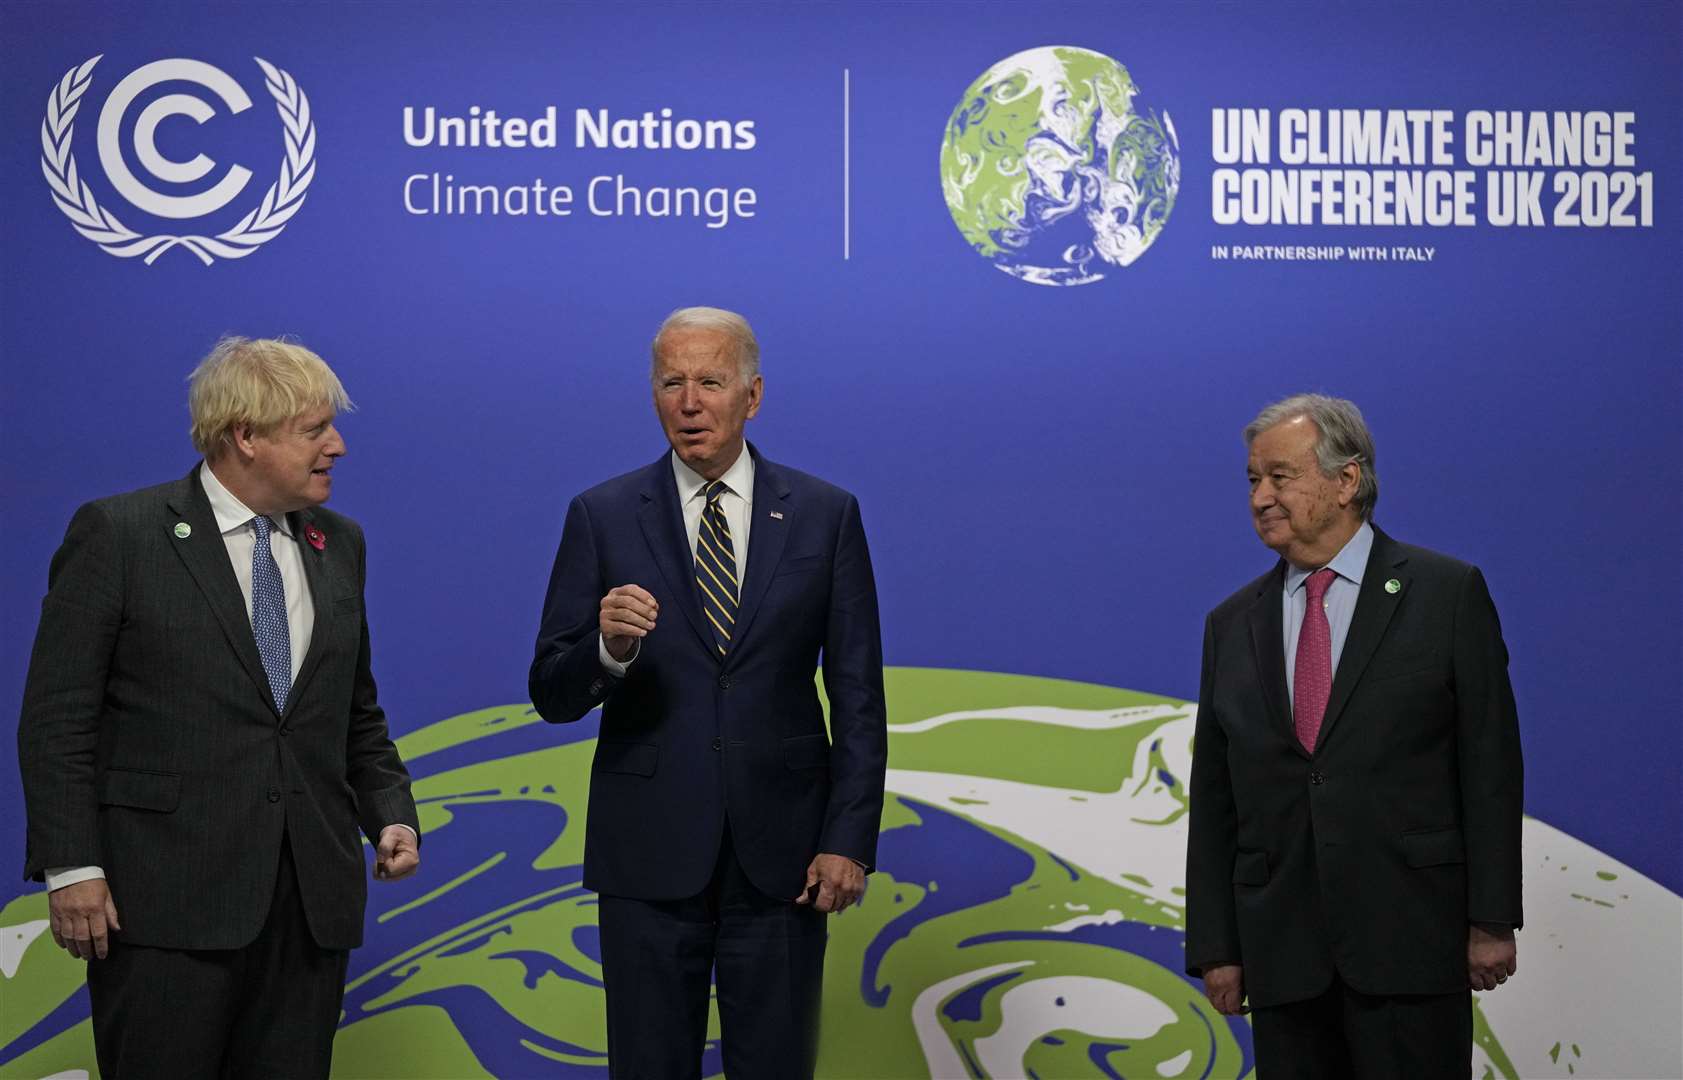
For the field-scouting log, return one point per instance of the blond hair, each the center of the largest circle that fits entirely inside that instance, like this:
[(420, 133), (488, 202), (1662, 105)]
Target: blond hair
[(257, 383)]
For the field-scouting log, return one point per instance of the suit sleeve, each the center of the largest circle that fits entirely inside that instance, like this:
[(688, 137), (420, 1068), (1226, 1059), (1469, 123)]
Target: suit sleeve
[(1212, 927), (858, 708), (1492, 772), (64, 694), (372, 765), (567, 679)]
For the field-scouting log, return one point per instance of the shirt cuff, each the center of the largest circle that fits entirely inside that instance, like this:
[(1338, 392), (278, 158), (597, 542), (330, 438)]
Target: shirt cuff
[(57, 877), (613, 667), (408, 829)]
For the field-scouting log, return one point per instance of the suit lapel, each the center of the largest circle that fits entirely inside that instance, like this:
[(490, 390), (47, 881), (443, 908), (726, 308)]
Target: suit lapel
[(773, 517), (315, 574), (1268, 642), (663, 529), (1374, 607), (205, 555)]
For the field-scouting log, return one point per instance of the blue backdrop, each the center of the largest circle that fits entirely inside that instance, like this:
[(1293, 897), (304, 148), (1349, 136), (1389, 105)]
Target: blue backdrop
[(1524, 385)]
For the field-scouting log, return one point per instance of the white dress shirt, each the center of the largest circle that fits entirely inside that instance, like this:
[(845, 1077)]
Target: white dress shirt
[(738, 505), (233, 520)]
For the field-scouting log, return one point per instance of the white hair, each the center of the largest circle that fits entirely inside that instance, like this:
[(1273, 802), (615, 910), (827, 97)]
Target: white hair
[(1341, 437), (711, 318)]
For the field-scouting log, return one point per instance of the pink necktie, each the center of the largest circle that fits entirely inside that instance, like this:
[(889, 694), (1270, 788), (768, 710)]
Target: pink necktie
[(1312, 678)]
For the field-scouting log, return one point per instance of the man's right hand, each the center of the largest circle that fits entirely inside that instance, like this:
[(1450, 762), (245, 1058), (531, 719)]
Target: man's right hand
[(628, 614), (1224, 985), (82, 917)]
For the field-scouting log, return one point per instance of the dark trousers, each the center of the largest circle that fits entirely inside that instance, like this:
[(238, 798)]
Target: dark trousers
[(658, 958), (266, 1010), (1346, 1035)]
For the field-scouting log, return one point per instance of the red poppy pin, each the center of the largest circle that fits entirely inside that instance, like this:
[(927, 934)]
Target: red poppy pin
[(315, 536)]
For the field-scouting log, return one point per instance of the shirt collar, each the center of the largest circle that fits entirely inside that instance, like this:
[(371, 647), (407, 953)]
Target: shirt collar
[(1349, 563), (231, 514), (739, 478)]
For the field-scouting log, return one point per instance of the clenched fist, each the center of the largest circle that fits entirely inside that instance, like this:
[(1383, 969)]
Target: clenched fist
[(628, 614)]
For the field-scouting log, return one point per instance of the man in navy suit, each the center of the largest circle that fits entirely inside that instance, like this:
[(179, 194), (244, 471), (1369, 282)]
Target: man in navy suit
[(692, 600)]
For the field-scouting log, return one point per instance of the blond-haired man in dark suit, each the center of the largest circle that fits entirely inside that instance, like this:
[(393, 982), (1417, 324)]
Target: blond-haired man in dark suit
[(201, 744)]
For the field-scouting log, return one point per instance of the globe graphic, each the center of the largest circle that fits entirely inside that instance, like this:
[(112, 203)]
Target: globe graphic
[(1025, 919), (1051, 170)]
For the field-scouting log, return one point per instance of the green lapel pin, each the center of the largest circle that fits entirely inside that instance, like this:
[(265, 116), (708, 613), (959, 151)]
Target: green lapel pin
[(183, 530), (1393, 586)]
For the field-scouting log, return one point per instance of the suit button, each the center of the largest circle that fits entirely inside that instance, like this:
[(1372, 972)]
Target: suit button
[(274, 794), (724, 682), (596, 687), (286, 731), (718, 744), (1317, 778)]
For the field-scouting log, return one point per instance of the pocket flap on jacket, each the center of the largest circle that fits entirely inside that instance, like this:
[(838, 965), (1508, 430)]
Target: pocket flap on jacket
[(138, 788), (638, 759), (347, 605), (806, 752), (1250, 868), (800, 564), (1434, 848)]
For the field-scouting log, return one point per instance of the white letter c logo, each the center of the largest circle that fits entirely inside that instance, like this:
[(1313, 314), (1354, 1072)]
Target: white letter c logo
[(180, 172)]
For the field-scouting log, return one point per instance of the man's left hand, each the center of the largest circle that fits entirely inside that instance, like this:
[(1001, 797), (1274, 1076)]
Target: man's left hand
[(1491, 957), (397, 856), (839, 883)]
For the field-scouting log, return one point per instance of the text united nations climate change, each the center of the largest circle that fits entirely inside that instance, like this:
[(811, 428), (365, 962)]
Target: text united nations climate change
[(604, 195)]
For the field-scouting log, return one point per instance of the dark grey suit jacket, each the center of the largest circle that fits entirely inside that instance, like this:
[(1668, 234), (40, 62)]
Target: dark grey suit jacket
[(150, 744), (1370, 856)]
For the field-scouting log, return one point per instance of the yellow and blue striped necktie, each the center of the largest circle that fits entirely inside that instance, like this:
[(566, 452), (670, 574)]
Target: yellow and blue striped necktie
[(715, 568)]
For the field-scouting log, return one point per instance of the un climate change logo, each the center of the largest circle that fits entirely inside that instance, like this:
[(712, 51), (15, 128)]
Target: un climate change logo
[(1051, 171), (73, 196)]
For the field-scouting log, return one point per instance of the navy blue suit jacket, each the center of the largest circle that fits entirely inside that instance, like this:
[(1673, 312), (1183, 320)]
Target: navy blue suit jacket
[(690, 740)]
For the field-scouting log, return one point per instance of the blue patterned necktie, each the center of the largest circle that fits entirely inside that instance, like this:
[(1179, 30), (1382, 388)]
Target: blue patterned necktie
[(715, 568), (268, 614)]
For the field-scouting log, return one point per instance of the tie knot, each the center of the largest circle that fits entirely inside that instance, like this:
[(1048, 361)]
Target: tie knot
[(261, 525), (713, 490), (1319, 581)]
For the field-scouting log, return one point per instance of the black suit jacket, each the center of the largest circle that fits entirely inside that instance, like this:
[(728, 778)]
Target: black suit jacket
[(689, 740), (1371, 856), (149, 741)]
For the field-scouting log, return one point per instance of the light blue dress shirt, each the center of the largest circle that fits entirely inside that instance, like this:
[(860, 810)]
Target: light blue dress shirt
[(1349, 564)]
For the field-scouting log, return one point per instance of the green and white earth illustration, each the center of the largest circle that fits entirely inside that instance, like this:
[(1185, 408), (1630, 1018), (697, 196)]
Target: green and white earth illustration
[(1052, 172), (1026, 920)]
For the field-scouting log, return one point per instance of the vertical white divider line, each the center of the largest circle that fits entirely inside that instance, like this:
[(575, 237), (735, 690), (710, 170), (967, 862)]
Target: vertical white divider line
[(847, 164)]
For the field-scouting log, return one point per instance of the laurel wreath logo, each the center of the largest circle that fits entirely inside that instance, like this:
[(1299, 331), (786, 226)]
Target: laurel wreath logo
[(76, 200)]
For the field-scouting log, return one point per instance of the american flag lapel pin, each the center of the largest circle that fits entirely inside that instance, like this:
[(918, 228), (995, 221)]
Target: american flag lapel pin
[(778, 514)]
